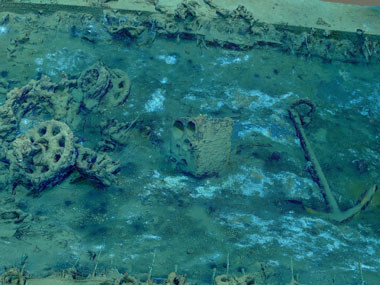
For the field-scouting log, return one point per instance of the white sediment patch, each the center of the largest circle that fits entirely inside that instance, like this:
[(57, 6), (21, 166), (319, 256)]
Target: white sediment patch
[(39, 61), (253, 99), (75, 248), (227, 61), (272, 126), (305, 237), (26, 124), (207, 258), (156, 104), (273, 263), (207, 190), (3, 30), (98, 247), (169, 59), (354, 266), (366, 103), (298, 188), (249, 181), (173, 183), (164, 80), (148, 236), (223, 61), (63, 60)]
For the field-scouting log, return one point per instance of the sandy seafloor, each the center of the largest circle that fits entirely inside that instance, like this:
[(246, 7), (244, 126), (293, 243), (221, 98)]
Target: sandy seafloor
[(247, 212)]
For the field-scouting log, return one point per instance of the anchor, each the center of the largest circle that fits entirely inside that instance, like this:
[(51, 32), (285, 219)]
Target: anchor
[(315, 170)]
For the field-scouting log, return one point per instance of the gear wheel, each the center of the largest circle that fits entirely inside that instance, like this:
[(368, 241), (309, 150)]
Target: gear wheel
[(43, 156)]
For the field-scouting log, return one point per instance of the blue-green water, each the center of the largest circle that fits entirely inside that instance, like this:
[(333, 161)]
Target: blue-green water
[(248, 212)]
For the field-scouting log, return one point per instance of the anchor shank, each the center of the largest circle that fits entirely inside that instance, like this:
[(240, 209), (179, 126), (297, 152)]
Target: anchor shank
[(315, 169)]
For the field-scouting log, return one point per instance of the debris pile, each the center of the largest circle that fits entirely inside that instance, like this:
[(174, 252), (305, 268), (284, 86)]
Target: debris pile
[(209, 24), (46, 154)]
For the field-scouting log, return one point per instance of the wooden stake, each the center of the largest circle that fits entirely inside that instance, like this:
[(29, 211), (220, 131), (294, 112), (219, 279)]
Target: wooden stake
[(228, 263)]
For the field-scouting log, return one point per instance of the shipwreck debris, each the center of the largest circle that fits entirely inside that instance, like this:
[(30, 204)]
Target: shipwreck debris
[(43, 157), (47, 154), (315, 170), (100, 169), (201, 146)]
